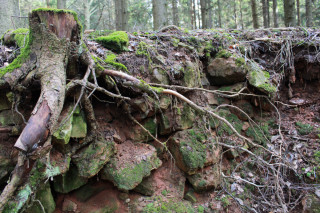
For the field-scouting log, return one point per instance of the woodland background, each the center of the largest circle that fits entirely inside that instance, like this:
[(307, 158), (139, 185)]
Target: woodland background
[(146, 15)]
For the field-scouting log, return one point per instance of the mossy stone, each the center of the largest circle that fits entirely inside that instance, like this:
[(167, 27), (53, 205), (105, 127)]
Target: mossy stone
[(4, 102), (190, 196), (139, 135), (69, 181), (208, 178), (9, 118), (79, 124), (116, 41), (193, 149), (126, 172), (261, 80), (92, 158), (63, 134), (44, 196)]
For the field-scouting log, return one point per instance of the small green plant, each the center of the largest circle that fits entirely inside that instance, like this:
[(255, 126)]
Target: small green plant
[(223, 54), (304, 129)]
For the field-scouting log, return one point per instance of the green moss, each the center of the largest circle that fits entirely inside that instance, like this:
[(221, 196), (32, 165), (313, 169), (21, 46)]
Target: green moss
[(261, 80), (223, 54), (111, 59), (240, 62), (23, 57), (304, 129), (151, 126), (170, 205), (259, 135), (142, 49), (193, 150), (21, 36), (98, 33), (130, 176), (233, 120), (116, 41)]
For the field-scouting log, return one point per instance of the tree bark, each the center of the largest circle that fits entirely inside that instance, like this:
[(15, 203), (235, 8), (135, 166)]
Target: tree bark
[(61, 4), (219, 14), (289, 13), (210, 14), (241, 15), (254, 14), (298, 13), (125, 15), (275, 14), (235, 13), (204, 14), (264, 13), (309, 13), (175, 12), (159, 10), (7, 9), (86, 8)]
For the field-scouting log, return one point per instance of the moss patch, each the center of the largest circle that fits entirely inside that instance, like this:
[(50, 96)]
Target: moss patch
[(116, 41), (111, 59), (304, 129), (223, 54)]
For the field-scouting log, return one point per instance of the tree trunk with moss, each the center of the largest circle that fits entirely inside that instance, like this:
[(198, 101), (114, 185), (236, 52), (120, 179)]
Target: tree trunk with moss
[(50, 56), (159, 11)]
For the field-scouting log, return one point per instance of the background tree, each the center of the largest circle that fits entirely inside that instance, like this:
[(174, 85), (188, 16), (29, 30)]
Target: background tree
[(275, 13), (159, 11), (308, 13), (254, 14), (122, 15), (175, 12), (8, 9), (61, 4), (289, 13)]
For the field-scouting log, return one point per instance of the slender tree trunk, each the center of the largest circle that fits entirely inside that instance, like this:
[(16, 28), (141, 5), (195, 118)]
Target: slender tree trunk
[(61, 4), (289, 13), (204, 14), (159, 10), (268, 13), (198, 13), (194, 14), (264, 13), (254, 14), (219, 14), (117, 6), (309, 13), (191, 17), (210, 14), (235, 13), (48, 3), (298, 13), (7, 9), (275, 14), (86, 8), (125, 15), (175, 12), (241, 15)]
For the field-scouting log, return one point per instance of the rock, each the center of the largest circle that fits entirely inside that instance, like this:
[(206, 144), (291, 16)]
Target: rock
[(117, 41), (165, 102), (79, 125), (69, 206), (4, 102), (132, 163), (87, 191), (207, 178), (137, 134), (92, 158), (190, 196), (69, 181), (63, 134), (191, 75), (311, 204), (167, 179), (246, 107), (160, 76), (181, 118), (44, 196), (193, 149), (261, 80), (6, 163), (9, 118), (225, 71)]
